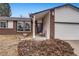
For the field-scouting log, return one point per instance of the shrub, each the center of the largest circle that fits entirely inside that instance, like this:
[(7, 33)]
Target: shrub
[(52, 47)]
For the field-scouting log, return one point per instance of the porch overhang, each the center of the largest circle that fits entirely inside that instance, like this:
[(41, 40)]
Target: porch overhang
[(39, 14)]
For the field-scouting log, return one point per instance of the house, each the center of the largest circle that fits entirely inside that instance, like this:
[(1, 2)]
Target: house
[(58, 22)]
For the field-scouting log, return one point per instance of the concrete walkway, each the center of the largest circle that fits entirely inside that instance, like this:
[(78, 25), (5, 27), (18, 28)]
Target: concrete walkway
[(75, 45)]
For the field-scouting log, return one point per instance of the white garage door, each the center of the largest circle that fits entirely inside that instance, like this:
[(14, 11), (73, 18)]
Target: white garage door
[(67, 31)]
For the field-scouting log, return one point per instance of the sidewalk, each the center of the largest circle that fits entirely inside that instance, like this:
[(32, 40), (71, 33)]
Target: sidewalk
[(75, 45)]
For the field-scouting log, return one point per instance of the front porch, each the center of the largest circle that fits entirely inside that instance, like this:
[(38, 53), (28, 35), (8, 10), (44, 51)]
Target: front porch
[(41, 25)]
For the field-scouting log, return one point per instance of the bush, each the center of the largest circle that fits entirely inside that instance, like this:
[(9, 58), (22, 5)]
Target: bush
[(52, 47)]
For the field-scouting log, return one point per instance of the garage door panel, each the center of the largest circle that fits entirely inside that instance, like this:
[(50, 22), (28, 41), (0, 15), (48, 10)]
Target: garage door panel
[(67, 31)]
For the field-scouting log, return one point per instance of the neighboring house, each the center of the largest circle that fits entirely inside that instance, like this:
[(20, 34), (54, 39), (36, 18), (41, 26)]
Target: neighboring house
[(60, 22)]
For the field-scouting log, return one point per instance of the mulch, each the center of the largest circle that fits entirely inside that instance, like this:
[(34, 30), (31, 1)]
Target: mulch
[(51, 47)]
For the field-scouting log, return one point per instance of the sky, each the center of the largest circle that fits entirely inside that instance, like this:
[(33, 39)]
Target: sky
[(24, 9)]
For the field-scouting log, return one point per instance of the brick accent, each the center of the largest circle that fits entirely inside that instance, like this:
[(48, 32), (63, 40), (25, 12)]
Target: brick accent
[(52, 24)]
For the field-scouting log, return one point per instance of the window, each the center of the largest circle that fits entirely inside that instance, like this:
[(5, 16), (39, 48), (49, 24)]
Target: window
[(27, 26), (3, 24), (23, 26), (20, 26)]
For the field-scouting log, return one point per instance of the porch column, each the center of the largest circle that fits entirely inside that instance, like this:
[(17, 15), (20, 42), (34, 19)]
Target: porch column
[(33, 26)]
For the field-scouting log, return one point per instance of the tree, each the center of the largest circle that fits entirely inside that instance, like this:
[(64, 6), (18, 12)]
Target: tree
[(5, 9)]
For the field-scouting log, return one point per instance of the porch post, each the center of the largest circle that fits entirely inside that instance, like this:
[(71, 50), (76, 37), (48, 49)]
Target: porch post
[(33, 26), (48, 29)]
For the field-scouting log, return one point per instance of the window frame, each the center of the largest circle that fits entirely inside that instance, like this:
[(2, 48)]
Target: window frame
[(29, 25), (24, 22), (5, 25)]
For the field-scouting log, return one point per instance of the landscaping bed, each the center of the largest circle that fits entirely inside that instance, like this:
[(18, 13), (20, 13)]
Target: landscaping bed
[(52, 47)]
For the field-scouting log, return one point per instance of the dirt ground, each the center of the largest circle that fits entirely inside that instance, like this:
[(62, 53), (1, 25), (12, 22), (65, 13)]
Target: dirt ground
[(75, 45), (8, 45)]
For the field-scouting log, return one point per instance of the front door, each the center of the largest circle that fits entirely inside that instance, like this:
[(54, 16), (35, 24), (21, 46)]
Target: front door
[(39, 26)]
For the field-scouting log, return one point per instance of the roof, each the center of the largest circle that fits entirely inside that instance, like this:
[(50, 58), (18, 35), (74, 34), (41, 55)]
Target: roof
[(15, 18), (67, 4)]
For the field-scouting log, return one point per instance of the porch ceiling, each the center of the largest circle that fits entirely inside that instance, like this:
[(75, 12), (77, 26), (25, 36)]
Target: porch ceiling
[(40, 15)]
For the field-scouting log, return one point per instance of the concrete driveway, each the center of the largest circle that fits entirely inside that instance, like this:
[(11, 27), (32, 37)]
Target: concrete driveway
[(75, 45)]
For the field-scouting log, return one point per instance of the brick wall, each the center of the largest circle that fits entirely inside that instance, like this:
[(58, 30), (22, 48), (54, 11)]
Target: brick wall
[(52, 24), (8, 31), (13, 31)]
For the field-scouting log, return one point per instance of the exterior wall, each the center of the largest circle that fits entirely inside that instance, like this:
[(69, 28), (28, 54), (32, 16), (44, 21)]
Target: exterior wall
[(12, 29), (10, 24), (7, 31), (46, 26), (67, 31), (66, 14)]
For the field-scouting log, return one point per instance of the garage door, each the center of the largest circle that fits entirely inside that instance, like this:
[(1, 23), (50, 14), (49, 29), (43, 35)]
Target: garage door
[(67, 31)]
